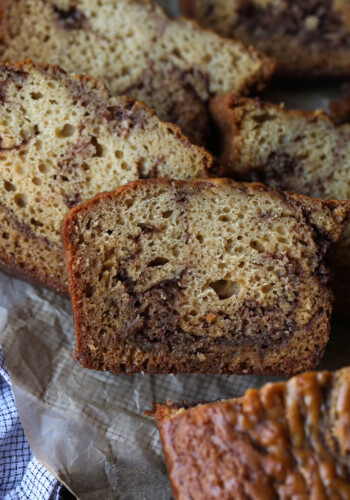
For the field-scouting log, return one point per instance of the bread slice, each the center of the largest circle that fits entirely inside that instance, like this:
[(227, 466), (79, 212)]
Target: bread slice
[(174, 66), (308, 38), (62, 140), (208, 276), (287, 440), (303, 152)]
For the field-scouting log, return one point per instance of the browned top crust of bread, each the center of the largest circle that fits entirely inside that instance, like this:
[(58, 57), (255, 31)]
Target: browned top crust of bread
[(174, 66), (208, 276), (62, 140), (308, 38), (285, 441), (303, 152)]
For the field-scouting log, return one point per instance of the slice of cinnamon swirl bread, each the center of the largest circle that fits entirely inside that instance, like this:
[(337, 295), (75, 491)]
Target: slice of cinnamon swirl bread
[(287, 440), (303, 152), (172, 65), (208, 276), (62, 140), (308, 38)]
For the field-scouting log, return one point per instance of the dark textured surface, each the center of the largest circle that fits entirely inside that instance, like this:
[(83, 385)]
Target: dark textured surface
[(284, 441)]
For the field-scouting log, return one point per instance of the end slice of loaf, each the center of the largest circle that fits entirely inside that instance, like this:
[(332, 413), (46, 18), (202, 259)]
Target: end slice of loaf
[(62, 140), (307, 38), (286, 440), (303, 152), (208, 276), (172, 65), (295, 150)]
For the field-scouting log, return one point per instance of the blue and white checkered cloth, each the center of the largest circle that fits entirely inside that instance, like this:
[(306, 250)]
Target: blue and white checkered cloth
[(21, 475)]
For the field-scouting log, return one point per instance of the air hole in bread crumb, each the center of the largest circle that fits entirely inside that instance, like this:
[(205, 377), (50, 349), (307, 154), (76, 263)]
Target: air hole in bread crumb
[(88, 292), (66, 131), (9, 186), (267, 288), (159, 261), (225, 289), (19, 170), (5, 236), (20, 200), (99, 149), (43, 168), (36, 181), (36, 223), (167, 214), (265, 117), (36, 95), (200, 238), (224, 218), (257, 246), (119, 154), (229, 245)]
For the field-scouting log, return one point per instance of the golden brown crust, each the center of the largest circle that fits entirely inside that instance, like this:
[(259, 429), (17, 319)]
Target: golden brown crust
[(326, 217), (285, 440)]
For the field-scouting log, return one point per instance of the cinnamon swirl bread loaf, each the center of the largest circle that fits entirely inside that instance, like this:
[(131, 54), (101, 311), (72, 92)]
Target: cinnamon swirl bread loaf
[(172, 65), (208, 276), (308, 38), (303, 152), (62, 140)]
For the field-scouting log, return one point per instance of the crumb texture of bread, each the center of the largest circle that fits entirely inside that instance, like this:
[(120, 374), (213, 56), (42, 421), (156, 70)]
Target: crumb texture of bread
[(63, 140), (208, 276), (308, 38), (287, 440), (303, 152), (135, 49)]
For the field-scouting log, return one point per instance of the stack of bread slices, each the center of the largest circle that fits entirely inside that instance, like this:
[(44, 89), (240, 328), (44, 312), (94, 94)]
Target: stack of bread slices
[(177, 261)]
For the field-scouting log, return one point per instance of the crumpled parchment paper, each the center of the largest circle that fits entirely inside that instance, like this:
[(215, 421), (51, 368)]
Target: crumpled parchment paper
[(88, 428)]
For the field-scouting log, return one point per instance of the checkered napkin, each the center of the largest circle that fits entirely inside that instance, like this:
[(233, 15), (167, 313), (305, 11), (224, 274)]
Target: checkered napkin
[(21, 475)]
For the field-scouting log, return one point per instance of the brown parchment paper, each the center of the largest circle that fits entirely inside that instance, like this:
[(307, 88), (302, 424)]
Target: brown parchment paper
[(88, 428)]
